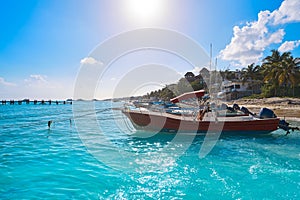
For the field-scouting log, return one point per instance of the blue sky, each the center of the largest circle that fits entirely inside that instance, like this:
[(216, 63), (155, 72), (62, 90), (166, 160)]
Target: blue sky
[(43, 42)]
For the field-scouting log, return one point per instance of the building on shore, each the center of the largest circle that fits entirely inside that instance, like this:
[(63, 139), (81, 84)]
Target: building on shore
[(236, 89)]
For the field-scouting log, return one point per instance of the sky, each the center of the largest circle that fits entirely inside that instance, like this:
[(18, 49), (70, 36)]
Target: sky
[(44, 44)]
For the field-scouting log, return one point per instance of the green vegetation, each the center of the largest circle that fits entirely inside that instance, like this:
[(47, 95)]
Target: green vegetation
[(171, 91), (278, 75), (281, 75), (254, 96)]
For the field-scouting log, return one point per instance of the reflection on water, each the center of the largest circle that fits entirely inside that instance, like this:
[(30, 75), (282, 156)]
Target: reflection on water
[(39, 163)]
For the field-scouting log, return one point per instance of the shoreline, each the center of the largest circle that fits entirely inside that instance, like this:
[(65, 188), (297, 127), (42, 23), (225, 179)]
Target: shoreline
[(288, 108)]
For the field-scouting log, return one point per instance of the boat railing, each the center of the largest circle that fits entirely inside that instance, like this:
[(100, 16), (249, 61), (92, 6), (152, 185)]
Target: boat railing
[(195, 114), (184, 113)]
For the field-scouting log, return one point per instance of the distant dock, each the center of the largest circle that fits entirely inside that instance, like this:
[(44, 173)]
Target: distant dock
[(35, 102)]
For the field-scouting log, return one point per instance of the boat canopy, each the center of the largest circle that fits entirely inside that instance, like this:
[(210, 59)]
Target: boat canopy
[(188, 95)]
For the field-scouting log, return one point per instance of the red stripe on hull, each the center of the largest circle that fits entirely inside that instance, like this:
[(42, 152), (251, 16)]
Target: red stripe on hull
[(159, 122)]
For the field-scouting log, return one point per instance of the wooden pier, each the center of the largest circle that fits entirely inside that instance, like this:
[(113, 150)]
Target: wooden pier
[(35, 102)]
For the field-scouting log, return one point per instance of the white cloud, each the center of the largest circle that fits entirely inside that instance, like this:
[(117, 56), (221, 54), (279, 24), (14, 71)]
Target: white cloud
[(197, 69), (37, 86), (250, 41), (39, 78), (5, 83), (289, 46), (38, 81), (287, 12), (89, 60)]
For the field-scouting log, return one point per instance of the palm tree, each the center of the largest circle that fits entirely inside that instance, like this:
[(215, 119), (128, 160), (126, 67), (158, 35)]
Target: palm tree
[(281, 70), (227, 74), (252, 73), (289, 72), (272, 68), (297, 75)]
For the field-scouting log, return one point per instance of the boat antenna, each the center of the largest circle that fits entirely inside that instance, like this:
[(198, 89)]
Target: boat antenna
[(216, 78), (210, 57), (210, 70)]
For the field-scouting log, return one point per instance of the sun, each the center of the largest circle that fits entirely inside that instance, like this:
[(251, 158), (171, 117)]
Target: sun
[(145, 10)]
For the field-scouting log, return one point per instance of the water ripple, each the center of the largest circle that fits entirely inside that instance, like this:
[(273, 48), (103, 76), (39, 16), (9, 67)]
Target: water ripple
[(37, 163)]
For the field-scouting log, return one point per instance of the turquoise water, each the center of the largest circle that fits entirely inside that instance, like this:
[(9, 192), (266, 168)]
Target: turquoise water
[(38, 163)]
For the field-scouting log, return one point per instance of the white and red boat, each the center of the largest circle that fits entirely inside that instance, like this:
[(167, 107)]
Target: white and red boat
[(210, 120)]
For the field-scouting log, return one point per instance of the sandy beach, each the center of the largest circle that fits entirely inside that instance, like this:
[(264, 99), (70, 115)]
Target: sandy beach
[(283, 107)]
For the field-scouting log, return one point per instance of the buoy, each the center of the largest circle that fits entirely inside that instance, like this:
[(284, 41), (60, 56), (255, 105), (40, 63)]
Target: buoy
[(49, 124)]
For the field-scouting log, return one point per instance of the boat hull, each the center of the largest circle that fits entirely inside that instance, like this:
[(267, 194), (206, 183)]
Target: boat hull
[(161, 123)]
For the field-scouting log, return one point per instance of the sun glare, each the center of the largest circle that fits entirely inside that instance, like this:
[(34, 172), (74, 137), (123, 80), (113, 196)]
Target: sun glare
[(144, 10)]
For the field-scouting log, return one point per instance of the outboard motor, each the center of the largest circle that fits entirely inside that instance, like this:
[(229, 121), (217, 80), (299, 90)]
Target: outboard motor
[(246, 111), (236, 107), (230, 109), (266, 113), (283, 125), (286, 126)]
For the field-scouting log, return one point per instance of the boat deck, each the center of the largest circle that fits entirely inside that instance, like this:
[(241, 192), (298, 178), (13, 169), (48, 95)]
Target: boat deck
[(207, 117)]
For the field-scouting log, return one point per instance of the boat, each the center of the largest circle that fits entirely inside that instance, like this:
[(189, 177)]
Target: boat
[(165, 122), (207, 118)]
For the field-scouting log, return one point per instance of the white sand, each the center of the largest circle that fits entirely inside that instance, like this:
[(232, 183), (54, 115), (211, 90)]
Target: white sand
[(283, 107)]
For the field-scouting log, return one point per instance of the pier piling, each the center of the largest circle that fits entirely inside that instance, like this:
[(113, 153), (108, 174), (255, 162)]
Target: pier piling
[(35, 102)]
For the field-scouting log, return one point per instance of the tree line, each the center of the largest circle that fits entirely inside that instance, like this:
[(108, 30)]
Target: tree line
[(278, 75)]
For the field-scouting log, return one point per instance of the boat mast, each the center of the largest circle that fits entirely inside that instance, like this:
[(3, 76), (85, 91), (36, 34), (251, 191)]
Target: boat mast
[(210, 74)]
